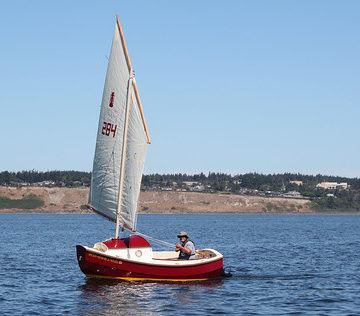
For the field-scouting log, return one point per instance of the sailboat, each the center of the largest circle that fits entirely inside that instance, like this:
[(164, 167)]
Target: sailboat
[(119, 159)]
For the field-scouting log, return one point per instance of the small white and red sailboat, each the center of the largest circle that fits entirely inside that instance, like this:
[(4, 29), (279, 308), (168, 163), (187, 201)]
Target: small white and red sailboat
[(119, 159)]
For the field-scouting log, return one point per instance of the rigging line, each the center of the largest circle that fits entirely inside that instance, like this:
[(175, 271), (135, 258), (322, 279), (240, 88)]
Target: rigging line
[(152, 238), (156, 240)]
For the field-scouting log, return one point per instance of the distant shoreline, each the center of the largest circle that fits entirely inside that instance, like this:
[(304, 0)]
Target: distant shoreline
[(31, 212), (57, 200)]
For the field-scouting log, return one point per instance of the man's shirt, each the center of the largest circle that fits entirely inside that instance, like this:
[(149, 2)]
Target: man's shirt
[(190, 245)]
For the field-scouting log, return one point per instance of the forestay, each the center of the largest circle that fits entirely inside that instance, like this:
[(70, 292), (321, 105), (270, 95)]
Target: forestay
[(120, 111)]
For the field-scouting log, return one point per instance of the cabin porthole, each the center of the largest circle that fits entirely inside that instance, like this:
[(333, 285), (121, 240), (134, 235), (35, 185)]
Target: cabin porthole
[(138, 253)]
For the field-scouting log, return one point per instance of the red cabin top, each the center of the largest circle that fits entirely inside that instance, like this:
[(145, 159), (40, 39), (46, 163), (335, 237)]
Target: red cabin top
[(132, 241)]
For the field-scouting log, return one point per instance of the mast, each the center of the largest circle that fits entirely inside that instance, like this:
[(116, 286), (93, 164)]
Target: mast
[(125, 136), (123, 157)]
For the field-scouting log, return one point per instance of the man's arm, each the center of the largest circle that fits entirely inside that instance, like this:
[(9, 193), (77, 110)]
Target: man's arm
[(183, 249)]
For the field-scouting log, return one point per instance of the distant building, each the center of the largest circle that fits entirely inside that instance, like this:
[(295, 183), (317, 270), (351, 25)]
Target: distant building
[(297, 182), (190, 183), (332, 185), (293, 194), (197, 188), (44, 183), (155, 187)]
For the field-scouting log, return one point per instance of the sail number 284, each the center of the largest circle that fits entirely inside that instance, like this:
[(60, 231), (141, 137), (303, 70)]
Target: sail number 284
[(109, 128)]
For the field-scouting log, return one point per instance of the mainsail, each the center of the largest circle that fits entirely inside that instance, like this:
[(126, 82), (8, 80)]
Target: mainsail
[(121, 142)]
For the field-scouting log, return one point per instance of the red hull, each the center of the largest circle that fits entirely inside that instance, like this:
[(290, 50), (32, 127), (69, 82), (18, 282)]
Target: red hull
[(98, 265)]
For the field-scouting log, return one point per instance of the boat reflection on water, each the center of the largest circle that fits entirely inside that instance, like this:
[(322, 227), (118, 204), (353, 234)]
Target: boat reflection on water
[(104, 296)]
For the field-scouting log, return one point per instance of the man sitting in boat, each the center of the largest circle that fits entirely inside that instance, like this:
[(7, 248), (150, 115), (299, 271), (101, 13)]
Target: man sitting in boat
[(187, 247)]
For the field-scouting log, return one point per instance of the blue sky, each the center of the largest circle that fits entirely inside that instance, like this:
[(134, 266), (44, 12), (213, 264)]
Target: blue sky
[(226, 86)]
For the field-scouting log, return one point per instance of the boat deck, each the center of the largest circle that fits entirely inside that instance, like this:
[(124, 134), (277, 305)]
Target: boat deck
[(162, 258)]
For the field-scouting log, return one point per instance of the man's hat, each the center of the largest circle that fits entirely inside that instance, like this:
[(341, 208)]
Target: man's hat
[(182, 234)]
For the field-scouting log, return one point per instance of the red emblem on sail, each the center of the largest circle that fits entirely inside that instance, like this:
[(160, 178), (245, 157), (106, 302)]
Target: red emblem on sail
[(111, 104)]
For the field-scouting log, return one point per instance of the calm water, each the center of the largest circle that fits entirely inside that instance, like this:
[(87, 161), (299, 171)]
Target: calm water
[(281, 264)]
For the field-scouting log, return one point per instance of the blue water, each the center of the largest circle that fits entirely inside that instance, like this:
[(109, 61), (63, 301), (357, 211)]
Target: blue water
[(281, 264)]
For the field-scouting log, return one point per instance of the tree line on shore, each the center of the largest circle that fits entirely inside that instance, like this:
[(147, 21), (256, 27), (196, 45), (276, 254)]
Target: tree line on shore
[(48, 178), (249, 183)]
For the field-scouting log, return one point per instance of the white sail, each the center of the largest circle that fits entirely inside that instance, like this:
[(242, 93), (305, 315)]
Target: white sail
[(134, 164), (108, 184)]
